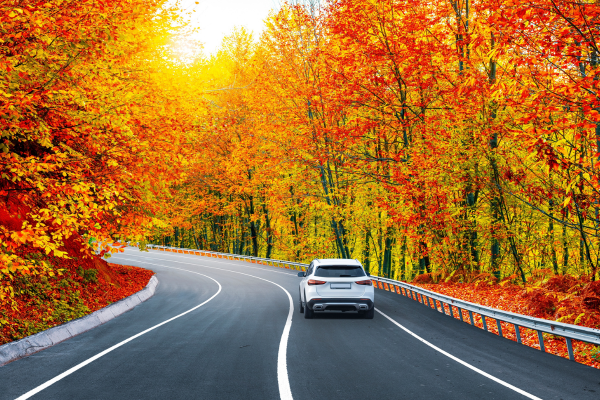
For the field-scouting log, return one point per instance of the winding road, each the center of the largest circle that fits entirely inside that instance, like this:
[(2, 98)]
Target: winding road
[(220, 329)]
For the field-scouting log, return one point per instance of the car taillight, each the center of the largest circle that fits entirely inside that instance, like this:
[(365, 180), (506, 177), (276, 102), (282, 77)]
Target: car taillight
[(367, 282), (315, 282)]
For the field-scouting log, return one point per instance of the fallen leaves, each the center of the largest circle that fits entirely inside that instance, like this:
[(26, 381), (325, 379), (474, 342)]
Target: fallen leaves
[(82, 286)]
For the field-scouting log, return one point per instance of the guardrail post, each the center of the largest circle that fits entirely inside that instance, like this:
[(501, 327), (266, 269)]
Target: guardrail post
[(484, 322), (428, 302), (570, 349), (451, 310), (518, 333), (460, 313), (443, 308), (541, 340), (499, 328)]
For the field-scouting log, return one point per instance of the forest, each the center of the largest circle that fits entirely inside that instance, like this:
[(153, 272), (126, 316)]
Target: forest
[(439, 140), (453, 138)]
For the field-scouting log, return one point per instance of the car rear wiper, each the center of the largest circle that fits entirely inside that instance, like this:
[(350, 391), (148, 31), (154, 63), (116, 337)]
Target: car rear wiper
[(345, 276)]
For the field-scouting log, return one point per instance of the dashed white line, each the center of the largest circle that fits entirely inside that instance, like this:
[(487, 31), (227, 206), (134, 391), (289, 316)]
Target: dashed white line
[(116, 346)]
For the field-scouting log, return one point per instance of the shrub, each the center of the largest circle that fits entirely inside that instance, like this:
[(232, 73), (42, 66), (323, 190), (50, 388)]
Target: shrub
[(88, 275)]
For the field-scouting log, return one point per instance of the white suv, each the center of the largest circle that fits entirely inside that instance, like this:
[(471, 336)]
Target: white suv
[(336, 284)]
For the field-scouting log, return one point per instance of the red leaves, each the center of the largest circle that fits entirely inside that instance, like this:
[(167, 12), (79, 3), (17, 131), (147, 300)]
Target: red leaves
[(592, 303), (540, 303), (77, 153), (561, 283), (43, 302)]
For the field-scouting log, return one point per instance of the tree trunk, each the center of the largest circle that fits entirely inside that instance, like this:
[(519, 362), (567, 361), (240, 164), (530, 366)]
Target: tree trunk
[(367, 252), (268, 232), (551, 234)]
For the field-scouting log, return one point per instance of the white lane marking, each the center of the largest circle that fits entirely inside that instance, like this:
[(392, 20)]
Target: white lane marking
[(285, 392), (212, 260), (97, 356), (458, 360)]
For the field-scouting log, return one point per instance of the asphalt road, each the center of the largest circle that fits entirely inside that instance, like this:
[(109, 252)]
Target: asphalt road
[(235, 346)]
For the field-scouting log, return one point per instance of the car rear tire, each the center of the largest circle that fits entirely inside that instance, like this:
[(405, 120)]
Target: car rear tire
[(308, 313), (369, 314)]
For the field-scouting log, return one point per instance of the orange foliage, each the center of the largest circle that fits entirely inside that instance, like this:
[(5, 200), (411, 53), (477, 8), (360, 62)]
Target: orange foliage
[(450, 140), (81, 155), (420, 137)]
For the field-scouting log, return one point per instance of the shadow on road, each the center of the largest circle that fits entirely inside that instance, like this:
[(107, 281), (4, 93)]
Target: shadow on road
[(337, 315)]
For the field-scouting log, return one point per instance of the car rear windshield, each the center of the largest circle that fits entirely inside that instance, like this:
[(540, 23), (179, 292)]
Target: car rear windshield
[(339, 271)]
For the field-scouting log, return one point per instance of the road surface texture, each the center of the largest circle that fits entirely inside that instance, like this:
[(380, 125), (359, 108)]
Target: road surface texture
[(239, 341)]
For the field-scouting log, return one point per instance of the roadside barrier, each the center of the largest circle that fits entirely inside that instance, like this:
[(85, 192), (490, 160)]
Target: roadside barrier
[(447, 304)]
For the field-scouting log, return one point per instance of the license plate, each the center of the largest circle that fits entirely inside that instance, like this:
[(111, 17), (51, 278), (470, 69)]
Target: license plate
[(340, 285)]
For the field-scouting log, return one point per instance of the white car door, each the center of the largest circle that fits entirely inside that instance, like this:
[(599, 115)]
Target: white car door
[(304, 280)]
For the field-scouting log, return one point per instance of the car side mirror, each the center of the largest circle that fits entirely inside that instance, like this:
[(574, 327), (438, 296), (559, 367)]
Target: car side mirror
[(301, 274), (368, 274)]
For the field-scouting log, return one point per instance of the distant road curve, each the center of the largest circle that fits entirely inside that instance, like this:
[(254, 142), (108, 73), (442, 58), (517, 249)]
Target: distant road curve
[(221, 329)]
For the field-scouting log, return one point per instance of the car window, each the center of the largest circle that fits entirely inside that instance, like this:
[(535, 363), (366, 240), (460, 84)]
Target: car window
[(339, 271)]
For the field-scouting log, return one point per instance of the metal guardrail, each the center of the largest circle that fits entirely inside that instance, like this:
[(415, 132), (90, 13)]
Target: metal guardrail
[(568, 331), (426, 297), (295, 265)]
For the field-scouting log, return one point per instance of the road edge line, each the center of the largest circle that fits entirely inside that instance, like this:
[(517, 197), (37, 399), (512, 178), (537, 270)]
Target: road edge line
[(32, 344), (458, 360), (82, 364)]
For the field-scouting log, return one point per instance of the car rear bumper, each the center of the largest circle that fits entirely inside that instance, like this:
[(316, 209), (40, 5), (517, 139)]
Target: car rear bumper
[(341, 304)]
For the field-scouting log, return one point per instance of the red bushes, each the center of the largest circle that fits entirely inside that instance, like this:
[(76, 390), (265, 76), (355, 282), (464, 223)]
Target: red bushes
[(539, 303), (561, 283), (423, 278)]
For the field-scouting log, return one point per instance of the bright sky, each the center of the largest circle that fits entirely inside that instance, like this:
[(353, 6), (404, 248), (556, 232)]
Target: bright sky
[(217, 18)]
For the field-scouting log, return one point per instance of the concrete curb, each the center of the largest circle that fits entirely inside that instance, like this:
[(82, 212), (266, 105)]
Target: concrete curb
[(42, 340)]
